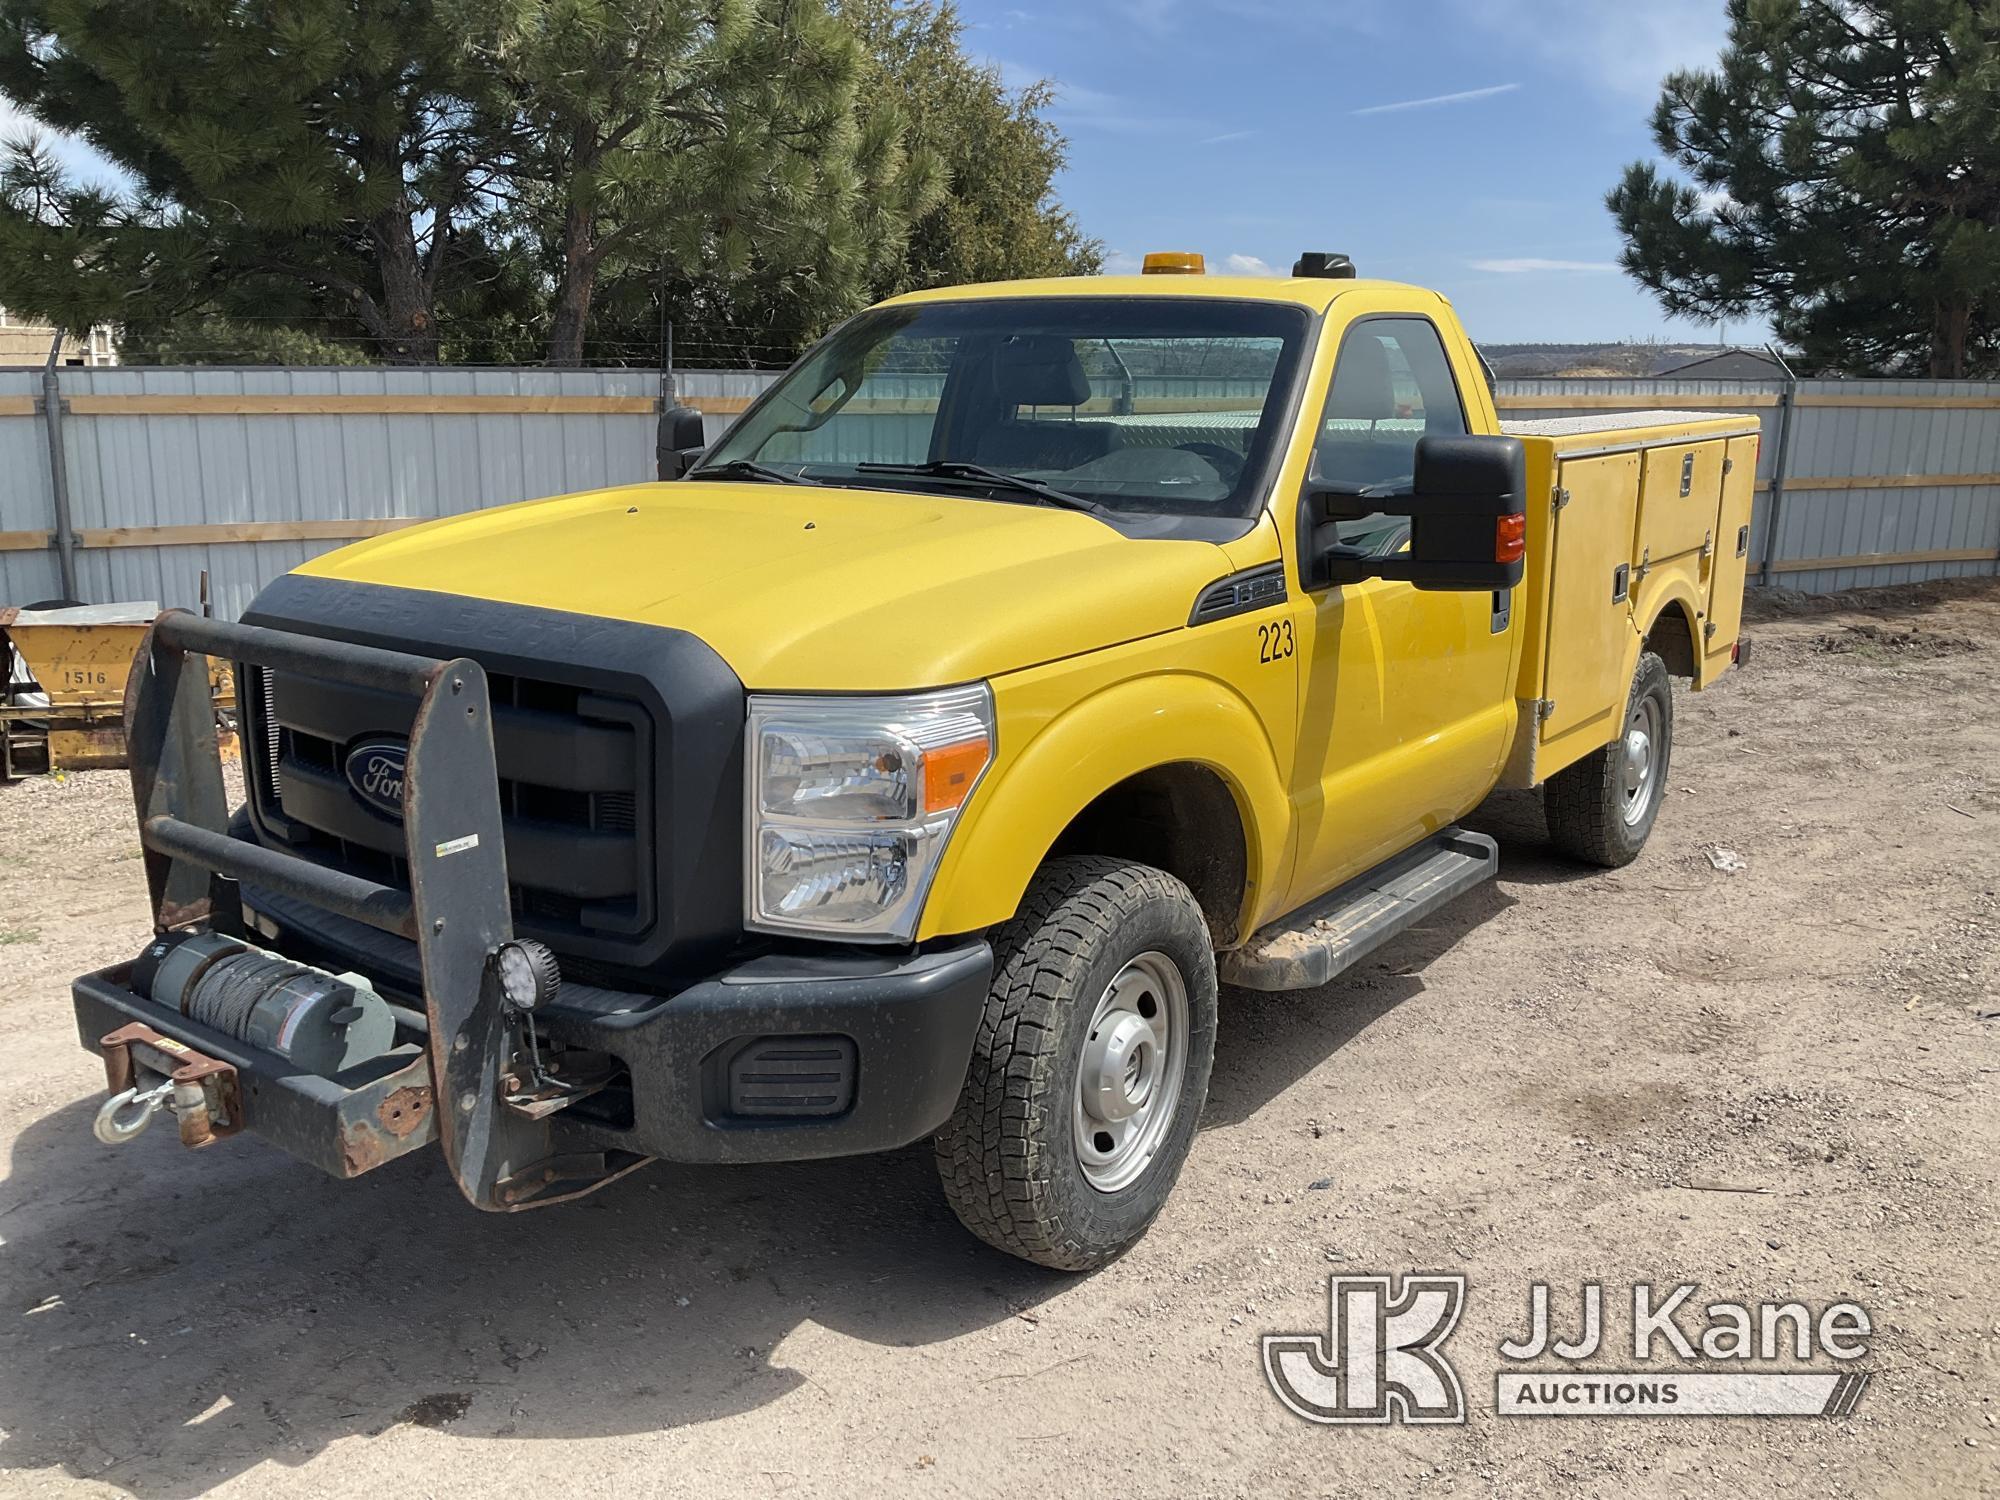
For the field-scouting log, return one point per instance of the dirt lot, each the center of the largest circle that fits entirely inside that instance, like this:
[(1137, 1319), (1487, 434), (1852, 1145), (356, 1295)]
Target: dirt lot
[(1552, 1082)]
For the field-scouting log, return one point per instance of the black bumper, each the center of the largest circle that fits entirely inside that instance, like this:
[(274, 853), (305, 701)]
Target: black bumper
[(781, 1059), (789, 1058)]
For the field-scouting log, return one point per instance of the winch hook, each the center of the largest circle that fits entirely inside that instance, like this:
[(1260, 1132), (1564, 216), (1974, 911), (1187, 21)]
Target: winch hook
[(127, 1114)]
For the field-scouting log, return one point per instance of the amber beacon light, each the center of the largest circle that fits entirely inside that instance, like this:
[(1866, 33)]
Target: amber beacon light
[(1175, 263)]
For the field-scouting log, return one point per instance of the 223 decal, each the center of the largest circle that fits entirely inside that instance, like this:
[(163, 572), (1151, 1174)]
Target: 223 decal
[(1274, 641)]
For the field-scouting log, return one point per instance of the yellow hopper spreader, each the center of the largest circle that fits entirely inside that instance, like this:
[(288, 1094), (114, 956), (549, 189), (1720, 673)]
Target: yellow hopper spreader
[(62, 685)]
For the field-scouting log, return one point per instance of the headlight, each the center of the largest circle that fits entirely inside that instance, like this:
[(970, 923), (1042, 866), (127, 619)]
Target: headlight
[(851, 801)]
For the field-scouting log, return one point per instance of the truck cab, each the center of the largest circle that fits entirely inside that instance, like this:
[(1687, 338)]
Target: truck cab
[(1029, 662)]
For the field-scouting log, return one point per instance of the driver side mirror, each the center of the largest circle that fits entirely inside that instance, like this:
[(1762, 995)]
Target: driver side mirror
[(683, 438), (1468, 520)]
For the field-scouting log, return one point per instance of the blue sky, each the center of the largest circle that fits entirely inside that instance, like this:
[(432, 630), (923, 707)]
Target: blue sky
[(1461, 144)]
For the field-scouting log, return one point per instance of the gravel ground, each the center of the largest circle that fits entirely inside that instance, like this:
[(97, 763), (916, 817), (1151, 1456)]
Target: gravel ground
[(1556, 1081)]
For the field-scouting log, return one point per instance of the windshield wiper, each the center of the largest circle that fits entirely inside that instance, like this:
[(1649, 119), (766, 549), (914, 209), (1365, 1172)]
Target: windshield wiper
[(1020, 484), (747, 468)]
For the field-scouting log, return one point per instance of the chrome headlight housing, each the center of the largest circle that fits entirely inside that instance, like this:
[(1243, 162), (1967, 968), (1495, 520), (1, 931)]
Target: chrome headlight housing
[(849, 804)]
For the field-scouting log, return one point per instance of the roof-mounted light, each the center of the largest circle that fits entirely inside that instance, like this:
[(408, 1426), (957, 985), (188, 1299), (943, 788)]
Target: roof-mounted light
[(1324, 263), (1175, 263)]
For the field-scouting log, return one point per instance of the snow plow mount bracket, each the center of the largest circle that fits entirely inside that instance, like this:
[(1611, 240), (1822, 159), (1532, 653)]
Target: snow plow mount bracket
[(457, 910)]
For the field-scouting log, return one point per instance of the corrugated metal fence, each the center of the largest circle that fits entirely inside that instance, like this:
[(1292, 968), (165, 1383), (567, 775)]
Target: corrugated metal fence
[(247, 472), (1860, 483)]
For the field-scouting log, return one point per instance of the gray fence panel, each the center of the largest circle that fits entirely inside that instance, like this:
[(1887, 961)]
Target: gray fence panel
[(25, 576), (1896, 443), (154, 469), (131, 470)]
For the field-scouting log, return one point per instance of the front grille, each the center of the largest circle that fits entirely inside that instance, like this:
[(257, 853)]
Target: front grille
[(575, 774), (619, 747)]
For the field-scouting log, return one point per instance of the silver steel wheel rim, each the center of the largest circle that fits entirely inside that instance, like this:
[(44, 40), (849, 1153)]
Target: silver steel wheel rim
[(1641, 758), (1128, 1081)]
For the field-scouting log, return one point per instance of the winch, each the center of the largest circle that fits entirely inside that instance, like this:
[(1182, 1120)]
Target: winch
[(321, 1022), (324, 1023)]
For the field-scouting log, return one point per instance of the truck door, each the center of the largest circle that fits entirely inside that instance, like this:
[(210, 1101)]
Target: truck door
[(1405, 703)]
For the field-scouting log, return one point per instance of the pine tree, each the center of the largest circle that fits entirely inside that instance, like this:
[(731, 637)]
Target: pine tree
[(698, 136), (998, 217), (298, 159), (1845, 158), (417, 177), (1001, 220)]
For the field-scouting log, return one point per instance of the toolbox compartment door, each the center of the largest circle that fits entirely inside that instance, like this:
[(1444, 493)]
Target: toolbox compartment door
[(1683, 490), (1589, 609), (1732, 555)]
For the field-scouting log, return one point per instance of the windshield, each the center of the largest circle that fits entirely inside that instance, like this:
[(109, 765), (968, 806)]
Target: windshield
[(1163, 405)]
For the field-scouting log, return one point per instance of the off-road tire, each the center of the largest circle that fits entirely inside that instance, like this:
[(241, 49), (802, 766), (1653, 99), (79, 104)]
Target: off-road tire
[(1007, 1156), (1585, 803)]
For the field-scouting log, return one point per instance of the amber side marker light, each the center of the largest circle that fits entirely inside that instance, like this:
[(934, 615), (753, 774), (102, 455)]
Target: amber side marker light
[(1510, 538), (1175, 263), (950, 771)]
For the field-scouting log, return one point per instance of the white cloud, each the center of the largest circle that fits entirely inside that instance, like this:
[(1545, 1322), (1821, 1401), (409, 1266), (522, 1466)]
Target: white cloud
[(1613, 46), (1079, 108), (1122, 263), (1247, 265), (1225, 138), (1532, 265), (1464, 97)]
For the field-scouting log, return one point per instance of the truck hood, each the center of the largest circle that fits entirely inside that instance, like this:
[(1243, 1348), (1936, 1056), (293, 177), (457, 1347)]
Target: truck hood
[(807, 589)]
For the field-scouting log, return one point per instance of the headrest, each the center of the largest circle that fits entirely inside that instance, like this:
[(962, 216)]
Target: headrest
[(1364, 387), (1039, 369)]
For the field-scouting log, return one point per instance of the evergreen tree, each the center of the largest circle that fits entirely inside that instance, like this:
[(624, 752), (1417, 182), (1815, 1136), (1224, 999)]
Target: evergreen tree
[(998, 218), (289, 159), (1845, 158), (1001, 220), (710, 137), (505, 180)]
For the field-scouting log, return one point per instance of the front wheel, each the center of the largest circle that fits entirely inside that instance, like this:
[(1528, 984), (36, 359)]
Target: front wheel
[(1601, 809), (1090, 1068)]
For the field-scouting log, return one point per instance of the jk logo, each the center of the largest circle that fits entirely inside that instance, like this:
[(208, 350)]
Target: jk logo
[(1378, 1360)]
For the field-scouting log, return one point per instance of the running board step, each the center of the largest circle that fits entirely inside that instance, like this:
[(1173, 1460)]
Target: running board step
[(1308, 948)]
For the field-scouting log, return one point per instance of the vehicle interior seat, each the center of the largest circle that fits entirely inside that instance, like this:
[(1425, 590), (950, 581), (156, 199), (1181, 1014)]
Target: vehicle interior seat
[(1356, 446), (1041, 370)]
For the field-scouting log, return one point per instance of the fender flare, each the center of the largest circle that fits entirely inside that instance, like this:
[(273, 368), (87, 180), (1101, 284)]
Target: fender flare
[(1034, 793), (1676, 592)]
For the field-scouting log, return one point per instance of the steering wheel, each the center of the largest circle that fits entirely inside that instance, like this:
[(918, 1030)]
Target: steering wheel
[(1227, 462)]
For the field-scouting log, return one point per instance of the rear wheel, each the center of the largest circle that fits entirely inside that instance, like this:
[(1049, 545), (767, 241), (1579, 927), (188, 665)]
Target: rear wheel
[(1090, 1068), (1601, 809)]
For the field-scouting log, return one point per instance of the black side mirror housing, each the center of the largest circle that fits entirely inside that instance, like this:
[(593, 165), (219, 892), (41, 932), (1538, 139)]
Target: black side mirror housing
[(1468, 520), (683, 439)]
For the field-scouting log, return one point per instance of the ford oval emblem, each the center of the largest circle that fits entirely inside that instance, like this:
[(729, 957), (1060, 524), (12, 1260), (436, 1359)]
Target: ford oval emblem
[(375, 771)]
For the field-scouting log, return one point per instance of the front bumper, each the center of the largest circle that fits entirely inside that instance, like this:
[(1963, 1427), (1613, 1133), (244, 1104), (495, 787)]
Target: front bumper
[(789, 1058), (780, 1059)]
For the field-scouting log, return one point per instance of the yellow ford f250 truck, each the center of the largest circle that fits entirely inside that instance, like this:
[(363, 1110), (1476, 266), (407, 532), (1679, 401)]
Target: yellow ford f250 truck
[(1031, 660)]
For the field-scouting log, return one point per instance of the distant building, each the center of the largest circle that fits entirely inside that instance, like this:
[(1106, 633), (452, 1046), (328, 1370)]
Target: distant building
[(1730, 364), (28, 344)]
